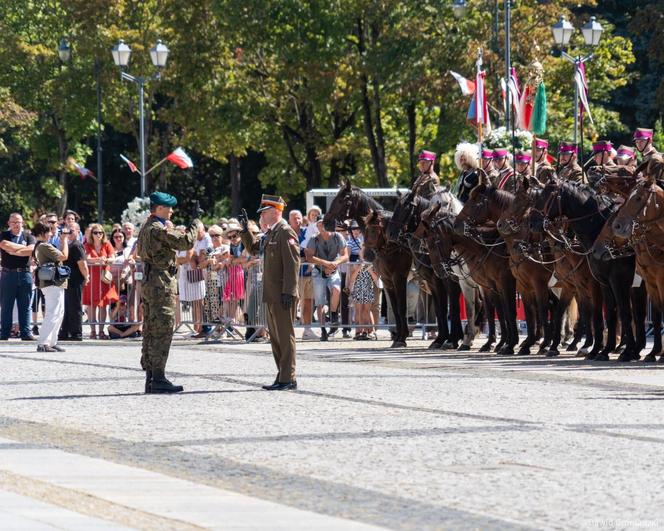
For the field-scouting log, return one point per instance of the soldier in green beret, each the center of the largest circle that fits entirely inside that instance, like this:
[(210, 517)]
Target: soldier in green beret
[(157, 246)]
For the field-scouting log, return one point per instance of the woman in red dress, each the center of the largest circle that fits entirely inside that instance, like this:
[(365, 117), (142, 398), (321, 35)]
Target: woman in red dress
[(97, 294)]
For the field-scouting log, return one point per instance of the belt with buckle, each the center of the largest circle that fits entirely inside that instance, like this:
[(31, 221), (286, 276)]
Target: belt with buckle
[(16, 269)]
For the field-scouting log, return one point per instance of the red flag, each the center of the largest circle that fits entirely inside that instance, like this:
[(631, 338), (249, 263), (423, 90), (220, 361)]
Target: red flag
[(180, 159), (131, 165), (467, 86)]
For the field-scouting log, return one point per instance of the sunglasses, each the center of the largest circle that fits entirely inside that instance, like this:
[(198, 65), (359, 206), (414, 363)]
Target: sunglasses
[(215, 235), (52, 222), (97, 232), (234, 235)]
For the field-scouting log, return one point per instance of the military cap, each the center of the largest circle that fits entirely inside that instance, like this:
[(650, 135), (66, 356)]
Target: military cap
[(162, 199), (541, 143), (271, 201), (427, 155), (523, 156), (602, 146), (642, 133), (625, 152), (568, 147), (487, 154), (499, 153)]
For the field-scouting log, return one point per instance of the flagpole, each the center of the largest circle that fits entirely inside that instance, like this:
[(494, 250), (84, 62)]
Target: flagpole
[(156, 165), (479, 110)]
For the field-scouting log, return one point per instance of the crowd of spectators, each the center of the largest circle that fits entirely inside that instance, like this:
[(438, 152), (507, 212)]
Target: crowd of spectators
[(219, 284)]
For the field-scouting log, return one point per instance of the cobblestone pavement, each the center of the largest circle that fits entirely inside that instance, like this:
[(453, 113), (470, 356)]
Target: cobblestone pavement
[(399, 439)]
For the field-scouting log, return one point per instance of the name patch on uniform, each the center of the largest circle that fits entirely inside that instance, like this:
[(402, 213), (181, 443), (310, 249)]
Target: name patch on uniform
[(272, 243)]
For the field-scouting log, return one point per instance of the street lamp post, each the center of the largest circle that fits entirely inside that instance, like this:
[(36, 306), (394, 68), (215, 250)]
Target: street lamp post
[(64, 52), (562, 33), (159, 55)]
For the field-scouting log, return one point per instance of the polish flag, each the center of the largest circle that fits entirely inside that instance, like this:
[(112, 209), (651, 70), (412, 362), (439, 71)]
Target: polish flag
[(467, 86), (131, 165), (180, 159)]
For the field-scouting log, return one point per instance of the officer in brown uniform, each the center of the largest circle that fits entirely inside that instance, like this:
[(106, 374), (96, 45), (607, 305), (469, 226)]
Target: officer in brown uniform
[(156, 247), (626, 156), (427, 182), (569, 169), (281, 249), (524, 161), (541, 156), (643, 142), (505, 180), (487, 165)]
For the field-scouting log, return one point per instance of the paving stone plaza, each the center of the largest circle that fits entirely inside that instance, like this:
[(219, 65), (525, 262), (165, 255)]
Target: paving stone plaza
[(374, 438)]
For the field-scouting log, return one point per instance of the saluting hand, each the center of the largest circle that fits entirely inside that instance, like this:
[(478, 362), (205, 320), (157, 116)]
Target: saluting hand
[(243, 219)]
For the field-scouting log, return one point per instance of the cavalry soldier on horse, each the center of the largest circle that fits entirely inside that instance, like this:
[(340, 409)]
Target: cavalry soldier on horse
[(466, 160), (569, 169), (487, 165), (505, 179), (523, 169), (428, 182), (541, 155), (643, 142), (626, 156)]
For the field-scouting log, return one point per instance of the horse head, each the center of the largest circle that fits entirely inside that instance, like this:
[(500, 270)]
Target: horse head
[(374, 229), (402, 215), (644, 205)]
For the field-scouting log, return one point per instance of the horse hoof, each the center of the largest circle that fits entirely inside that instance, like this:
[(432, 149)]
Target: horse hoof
[(661, 359), (543, 351), (571, 347), (602, 356), (486, 347), (523, 351), (450, 345), (506, 351), (619, 349), (398, 344), (463, 348), (552, 353), (590, 356), (650, 358), (436, 346), (499, 346)]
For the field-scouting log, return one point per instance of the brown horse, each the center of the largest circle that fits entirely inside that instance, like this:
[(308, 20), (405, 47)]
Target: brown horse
[(487, 204), (641, 219), (488, 266), (394, 262)]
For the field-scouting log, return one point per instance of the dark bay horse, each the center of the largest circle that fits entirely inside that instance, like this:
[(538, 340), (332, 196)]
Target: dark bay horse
[(587, 213), (487, 204), (445, 288), (392, 262)]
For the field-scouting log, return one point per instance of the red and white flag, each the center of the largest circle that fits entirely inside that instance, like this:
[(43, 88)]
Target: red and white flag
[(131, 165), (515, 96), (467, 86), (180, 159), (482, 106), (582, 84)]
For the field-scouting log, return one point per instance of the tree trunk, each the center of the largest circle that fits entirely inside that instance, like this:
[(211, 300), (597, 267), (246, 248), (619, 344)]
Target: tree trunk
[(380, 137), (236, 202), (411, 113)]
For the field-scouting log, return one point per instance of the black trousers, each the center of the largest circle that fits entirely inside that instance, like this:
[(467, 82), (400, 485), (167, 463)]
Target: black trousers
[(72, 324)]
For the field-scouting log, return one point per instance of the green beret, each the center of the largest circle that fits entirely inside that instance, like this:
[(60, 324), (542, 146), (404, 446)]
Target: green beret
[(163, 199)]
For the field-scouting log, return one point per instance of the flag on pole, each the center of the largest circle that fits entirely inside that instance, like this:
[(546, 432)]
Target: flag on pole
[(131, 165), (82, 170), (538, 118), (180, 159), (582, 85), (503, 92), (467, 86), (515, 95), (478, 112)]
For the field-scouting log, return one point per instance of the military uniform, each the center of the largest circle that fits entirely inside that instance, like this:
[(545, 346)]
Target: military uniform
[(156, 246), (570, 171), (281, 263)]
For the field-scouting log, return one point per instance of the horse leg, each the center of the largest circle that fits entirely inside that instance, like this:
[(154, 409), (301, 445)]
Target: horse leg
[(508, 305), (400, 310), (566, 296), (489, 310), (439, 295), (469, 295), (598, 321), (656, 330), (623, 302), (456, 329), (531, 324), (639, 303), (610, 307)]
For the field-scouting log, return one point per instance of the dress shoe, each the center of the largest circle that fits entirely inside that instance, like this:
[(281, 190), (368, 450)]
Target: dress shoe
[(58, 348), (161, 385), (35, 330), (274, 384), (45, 348), (287, 386), (28, 338)]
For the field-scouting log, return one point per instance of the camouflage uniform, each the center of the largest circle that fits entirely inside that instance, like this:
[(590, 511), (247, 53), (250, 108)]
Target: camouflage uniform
[(157, 246)]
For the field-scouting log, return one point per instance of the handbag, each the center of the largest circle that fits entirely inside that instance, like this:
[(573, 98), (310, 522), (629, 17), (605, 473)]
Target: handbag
[(53, 273), (195, 275), (106, 276)]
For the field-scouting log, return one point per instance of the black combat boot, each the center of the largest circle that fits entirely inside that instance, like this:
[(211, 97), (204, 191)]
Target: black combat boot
[(148, 381), (334, 320), (160, 385)]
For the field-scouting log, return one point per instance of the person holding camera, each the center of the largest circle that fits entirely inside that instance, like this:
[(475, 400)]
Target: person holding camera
[(72, 324), (327, 251), (53, 290)]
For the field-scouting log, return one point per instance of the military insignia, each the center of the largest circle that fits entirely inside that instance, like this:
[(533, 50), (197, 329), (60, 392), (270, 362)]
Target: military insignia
[(292, 241)]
